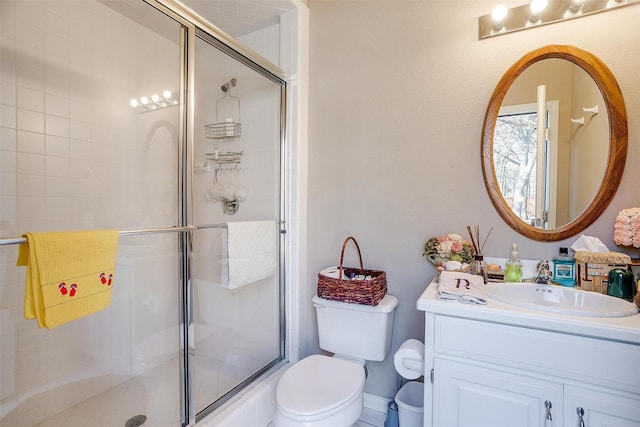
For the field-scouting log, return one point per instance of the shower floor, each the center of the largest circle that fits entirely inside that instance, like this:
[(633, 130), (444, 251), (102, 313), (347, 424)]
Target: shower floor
[(154, 394)]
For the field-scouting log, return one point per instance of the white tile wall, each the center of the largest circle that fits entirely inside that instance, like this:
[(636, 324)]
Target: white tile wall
[(28, 120), (62, 150), (30, 142), (7, 116)]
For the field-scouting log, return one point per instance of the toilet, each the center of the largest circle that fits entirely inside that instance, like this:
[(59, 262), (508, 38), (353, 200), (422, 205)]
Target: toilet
[(327, 391)]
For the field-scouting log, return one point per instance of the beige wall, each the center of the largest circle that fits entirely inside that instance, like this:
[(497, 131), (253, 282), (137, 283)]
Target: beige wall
[(398, 92), (588, 154)]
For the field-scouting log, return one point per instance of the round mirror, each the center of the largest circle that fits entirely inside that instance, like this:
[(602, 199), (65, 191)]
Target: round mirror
[(554, 142)]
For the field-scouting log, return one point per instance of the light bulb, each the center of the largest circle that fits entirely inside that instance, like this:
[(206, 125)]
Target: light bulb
[(133, 102), (575, 8), (538, 6), (144, 100), (499, 13), (614, 3), (166, 94), (155, 97)]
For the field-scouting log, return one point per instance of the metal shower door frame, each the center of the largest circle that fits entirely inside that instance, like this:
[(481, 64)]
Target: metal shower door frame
[(192, 27)]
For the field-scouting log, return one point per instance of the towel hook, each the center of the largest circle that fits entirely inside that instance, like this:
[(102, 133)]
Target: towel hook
[(593, 110), (579, 121)]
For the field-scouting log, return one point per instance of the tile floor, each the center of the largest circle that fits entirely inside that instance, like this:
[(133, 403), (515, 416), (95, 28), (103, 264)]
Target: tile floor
[(371, 418)]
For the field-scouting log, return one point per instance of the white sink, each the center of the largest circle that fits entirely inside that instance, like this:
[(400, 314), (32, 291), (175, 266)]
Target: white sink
[(560, 299)]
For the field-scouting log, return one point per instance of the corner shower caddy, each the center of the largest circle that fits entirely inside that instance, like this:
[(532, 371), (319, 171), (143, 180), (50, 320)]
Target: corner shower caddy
[(230, 127), (229, 193)]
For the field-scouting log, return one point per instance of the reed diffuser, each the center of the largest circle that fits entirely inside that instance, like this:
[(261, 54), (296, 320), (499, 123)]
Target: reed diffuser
[(478, 265)]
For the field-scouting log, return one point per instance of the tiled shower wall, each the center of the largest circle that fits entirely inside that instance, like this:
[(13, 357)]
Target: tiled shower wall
[(75, 155)]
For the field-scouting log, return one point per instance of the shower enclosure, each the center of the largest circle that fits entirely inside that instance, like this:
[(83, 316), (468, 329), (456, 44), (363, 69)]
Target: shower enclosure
[(107, 110)]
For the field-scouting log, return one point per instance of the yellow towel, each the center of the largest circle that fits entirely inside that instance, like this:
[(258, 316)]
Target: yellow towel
[(69, 274)]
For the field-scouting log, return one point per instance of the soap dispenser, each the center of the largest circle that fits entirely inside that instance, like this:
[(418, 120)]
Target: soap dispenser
[(513, 266)]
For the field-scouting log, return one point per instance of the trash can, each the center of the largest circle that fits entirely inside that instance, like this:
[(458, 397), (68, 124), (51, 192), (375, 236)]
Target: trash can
[(410, 400), (392, 415)]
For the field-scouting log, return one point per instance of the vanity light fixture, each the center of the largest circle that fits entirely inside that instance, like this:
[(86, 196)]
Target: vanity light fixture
[(541, 12), (155, 102)]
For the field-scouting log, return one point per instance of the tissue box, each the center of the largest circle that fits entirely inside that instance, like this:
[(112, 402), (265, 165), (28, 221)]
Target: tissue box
[(592, 268)]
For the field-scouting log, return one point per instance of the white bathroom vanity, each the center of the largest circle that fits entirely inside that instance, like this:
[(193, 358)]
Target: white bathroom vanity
[(500, 365)]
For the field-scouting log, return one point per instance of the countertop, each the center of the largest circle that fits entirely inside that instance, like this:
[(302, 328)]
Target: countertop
[(622, 329)]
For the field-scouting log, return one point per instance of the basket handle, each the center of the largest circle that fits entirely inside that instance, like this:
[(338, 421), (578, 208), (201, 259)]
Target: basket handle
[(344, 245)]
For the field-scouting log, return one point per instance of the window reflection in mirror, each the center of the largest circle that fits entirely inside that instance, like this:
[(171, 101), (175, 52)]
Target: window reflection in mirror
[(548, 177), (514, 155)]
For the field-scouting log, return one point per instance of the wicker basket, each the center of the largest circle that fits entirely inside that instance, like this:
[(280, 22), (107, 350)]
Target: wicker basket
[(593, 268), (367, 292)]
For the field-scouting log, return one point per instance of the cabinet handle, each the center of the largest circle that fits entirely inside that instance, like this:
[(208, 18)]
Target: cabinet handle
[(580, 413), (548, 421)]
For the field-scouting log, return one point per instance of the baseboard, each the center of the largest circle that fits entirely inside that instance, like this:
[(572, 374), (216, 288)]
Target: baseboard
[(376, 403)]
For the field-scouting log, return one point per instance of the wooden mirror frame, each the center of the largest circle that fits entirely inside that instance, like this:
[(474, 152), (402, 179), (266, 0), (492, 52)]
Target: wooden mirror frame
[(618, 135)]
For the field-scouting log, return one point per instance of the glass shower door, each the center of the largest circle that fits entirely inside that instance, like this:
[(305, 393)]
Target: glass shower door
[(236, 182), (90, 140)]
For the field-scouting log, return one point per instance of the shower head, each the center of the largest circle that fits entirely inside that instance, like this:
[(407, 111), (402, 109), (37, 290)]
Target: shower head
[(228, 85)]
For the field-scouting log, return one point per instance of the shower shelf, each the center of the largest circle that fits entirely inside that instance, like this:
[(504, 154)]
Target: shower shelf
[(225, 157), (226, 161), (222, 130)]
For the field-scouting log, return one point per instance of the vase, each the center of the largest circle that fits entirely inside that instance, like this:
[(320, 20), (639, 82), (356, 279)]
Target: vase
[(479, 267)]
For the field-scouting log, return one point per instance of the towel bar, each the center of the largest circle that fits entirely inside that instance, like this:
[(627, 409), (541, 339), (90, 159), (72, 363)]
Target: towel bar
[(18, 240)]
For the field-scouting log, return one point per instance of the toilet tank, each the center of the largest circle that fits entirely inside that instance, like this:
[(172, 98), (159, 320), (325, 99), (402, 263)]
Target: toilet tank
[(356, 330)]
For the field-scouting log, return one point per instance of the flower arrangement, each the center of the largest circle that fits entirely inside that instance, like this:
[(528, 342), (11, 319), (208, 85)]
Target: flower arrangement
[(451, 247), (626, 230)]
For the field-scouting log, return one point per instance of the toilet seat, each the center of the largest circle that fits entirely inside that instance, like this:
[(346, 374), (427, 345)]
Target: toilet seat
[(318, 386)]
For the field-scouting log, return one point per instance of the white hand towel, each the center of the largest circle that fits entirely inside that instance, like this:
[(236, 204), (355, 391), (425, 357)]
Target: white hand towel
[(251, 252), (462, 287)]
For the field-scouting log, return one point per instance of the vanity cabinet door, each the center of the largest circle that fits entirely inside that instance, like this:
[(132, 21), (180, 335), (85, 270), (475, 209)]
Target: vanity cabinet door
[(601, 408), (468, 395)]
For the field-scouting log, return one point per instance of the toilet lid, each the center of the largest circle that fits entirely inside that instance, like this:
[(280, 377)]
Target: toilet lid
[(318, 384)]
